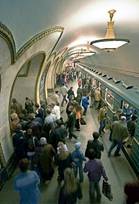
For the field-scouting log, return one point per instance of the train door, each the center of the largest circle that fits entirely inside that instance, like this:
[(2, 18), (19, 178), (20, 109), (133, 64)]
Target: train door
[(133, 152)]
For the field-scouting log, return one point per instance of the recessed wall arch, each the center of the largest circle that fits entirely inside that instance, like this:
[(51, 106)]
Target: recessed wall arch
[(43, 84), (54, 71), (28, 83), (6, 34), (50, 75)]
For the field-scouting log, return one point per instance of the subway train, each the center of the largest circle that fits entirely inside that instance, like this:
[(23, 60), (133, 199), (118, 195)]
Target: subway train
[(117, 95)]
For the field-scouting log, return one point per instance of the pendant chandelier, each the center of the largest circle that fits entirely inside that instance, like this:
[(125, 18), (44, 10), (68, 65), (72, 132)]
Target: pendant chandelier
[(110, 42)]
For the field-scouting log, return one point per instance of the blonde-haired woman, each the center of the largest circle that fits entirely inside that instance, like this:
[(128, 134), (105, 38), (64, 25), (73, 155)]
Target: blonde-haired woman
[(71, 189)]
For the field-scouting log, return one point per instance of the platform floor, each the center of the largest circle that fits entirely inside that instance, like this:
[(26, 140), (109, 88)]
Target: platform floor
[(117, 168)]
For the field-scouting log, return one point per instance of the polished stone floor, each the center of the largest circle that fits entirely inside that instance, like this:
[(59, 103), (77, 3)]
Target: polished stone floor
[(118, 170)]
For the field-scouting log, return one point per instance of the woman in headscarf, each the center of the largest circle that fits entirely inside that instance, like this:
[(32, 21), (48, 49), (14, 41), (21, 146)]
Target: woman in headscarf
[(46, 160)]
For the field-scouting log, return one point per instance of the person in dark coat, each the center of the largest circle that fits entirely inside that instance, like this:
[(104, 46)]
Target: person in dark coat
[(36, 126), (96, 145), (40, 113), (59, 133), (31, 145), (71, 189), (71, 94), (95, 170), (19, 143), (69, 107), (71, 123)]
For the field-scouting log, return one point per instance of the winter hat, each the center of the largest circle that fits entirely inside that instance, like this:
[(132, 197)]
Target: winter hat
[(77, 145), (43, 141), (62, 146)]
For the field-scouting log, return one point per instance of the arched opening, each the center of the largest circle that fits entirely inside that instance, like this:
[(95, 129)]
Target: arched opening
[(24, 86)]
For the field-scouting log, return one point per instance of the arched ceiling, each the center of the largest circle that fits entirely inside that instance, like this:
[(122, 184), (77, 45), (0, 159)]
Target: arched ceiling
[(82, 20)]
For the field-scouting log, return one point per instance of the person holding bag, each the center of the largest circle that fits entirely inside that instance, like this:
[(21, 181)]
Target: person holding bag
[(95, 170), (106, 190)]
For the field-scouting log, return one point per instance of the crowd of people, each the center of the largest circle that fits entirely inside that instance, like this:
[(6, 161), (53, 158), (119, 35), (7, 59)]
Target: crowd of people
[(40, 135)]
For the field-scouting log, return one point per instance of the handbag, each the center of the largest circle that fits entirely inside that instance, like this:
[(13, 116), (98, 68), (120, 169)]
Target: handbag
[(106, 190), (82, 121)]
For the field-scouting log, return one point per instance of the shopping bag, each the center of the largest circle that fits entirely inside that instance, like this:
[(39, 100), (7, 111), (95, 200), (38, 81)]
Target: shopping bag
[(106, 190)]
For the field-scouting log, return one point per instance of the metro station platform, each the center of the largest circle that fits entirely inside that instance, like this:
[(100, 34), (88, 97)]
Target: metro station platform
[(117, 168)]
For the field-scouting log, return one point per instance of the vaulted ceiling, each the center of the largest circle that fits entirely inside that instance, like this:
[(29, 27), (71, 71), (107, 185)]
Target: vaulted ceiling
[(82, 20)]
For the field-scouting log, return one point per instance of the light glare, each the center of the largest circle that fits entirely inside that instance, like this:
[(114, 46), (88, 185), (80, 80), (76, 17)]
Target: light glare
[(109, 44)]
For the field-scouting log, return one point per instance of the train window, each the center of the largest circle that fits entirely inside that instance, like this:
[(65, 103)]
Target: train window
[(109, 98), (128, 110)]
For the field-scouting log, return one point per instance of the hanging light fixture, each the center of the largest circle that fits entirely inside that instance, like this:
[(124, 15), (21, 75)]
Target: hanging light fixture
[(110, 42)]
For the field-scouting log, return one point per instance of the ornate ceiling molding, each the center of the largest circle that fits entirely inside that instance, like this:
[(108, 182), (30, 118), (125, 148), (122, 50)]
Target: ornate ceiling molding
[(6, 34), (38, 37)]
